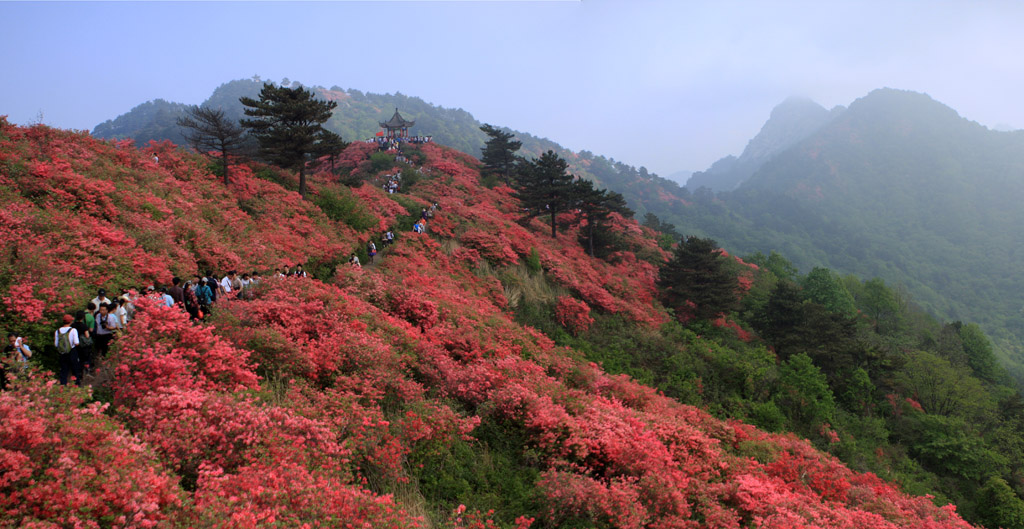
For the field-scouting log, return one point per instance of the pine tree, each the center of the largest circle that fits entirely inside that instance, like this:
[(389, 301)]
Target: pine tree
[(697, 274), (543, 187), (207, 129), (329, 145), (499, 156), (595, 206), (288, 126)]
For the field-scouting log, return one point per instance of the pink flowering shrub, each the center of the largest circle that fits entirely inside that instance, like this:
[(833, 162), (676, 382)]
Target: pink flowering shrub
[(573, 314)]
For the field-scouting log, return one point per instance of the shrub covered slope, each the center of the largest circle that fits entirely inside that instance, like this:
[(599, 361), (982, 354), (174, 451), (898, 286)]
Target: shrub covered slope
[(407, 394)]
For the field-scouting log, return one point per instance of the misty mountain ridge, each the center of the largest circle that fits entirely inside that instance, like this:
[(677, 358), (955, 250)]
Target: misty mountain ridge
[(791, 121)]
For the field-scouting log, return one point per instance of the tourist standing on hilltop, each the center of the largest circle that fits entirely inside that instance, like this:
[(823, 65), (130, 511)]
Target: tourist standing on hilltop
[(65, 339)]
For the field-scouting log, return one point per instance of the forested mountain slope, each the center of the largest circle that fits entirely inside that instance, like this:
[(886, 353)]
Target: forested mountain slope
[(451, 384)]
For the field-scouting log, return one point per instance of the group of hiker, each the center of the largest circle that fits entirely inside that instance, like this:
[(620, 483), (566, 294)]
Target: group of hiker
[(86, 336)]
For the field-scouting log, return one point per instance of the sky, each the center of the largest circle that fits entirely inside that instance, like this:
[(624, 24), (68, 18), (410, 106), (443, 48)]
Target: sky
[(671, 85)]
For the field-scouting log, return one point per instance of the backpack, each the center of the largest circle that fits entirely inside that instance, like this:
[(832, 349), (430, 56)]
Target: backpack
[(64, 342)]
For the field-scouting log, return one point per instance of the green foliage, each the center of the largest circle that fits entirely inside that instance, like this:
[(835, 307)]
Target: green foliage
[(697, 275), (382, 161), (805, 395), (288, 126), (533, 261), (825, 288), (339, 205), (998, 505), (497, 472), (543, 187), (499, 155)]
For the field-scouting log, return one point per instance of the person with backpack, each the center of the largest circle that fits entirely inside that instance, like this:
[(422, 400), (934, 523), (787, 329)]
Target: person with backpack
[(66, 340), (371, 250)]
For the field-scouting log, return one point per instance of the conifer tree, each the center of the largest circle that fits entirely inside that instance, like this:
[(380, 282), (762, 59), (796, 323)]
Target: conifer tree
[(543, 187), (596, 205), (697, 274), (208, 129), (288, 125), (499, 156)]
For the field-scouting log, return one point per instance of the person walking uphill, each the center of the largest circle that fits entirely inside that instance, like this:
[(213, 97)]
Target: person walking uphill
[(66, 340), (106, 325), (371, 250)]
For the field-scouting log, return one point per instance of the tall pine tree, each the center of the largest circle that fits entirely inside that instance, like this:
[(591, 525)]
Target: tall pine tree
[(208, 129), (543, 187), (595, 206), (288, 125), (499, 156), (698, 274)]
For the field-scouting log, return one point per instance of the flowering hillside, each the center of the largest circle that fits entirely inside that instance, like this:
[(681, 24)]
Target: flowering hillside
[(403, 394)]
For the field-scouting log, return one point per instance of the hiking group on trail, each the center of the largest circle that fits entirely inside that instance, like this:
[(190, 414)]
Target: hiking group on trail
[(84, 337)]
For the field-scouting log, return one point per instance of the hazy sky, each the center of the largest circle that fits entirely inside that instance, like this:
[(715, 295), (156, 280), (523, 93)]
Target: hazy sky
[(671, 85)]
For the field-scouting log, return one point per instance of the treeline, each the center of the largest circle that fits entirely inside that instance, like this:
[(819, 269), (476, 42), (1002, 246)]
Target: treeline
[(853, 365)]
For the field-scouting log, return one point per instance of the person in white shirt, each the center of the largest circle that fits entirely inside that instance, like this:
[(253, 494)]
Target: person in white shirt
[(226, 282), (101, 298)]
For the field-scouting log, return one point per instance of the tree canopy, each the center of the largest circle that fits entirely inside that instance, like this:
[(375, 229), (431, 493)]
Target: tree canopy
[(288, 125)]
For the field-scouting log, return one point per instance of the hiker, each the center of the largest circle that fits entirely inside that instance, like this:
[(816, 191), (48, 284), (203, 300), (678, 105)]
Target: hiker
[(354, 261), (106, 325), (391, 238), (371, 250), (236, 284), (166, 298), (423, 214), (227, 282), (17, 349), (204, 295), (129, 305), (277, 273), (65, 339), (299, 272), (84, 350), (177, 293), (101, 298), (90, 314), (190, 300)]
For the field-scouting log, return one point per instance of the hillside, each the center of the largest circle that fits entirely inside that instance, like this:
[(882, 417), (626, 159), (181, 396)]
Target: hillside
[(900, 187), (409, 393)]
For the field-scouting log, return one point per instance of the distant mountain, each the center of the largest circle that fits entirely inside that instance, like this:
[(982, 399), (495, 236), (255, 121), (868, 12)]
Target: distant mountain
[(898, 186), (793, 120), (152, 120), (680, 177)]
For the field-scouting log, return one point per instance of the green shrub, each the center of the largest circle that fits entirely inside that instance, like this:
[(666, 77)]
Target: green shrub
[(341, 206)]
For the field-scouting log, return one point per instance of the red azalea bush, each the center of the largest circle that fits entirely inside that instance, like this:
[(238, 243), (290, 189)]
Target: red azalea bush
[(65, 463), (573, 314)]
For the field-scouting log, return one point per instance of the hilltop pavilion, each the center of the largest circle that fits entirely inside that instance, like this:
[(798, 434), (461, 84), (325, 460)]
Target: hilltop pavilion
[(397, 126)]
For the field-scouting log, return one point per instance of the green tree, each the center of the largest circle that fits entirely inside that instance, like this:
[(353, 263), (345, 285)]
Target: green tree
[(980, 356), (804, 395), (288, 126), (595, 206), (499, 154), (943, 388), (698, 275), (208, 129), (543, 187), (774, 263), (998, 506), (329, 145), (826, 288), (879, 303)]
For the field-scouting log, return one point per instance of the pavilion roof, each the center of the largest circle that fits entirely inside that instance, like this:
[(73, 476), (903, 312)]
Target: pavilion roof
[(396, 122)]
